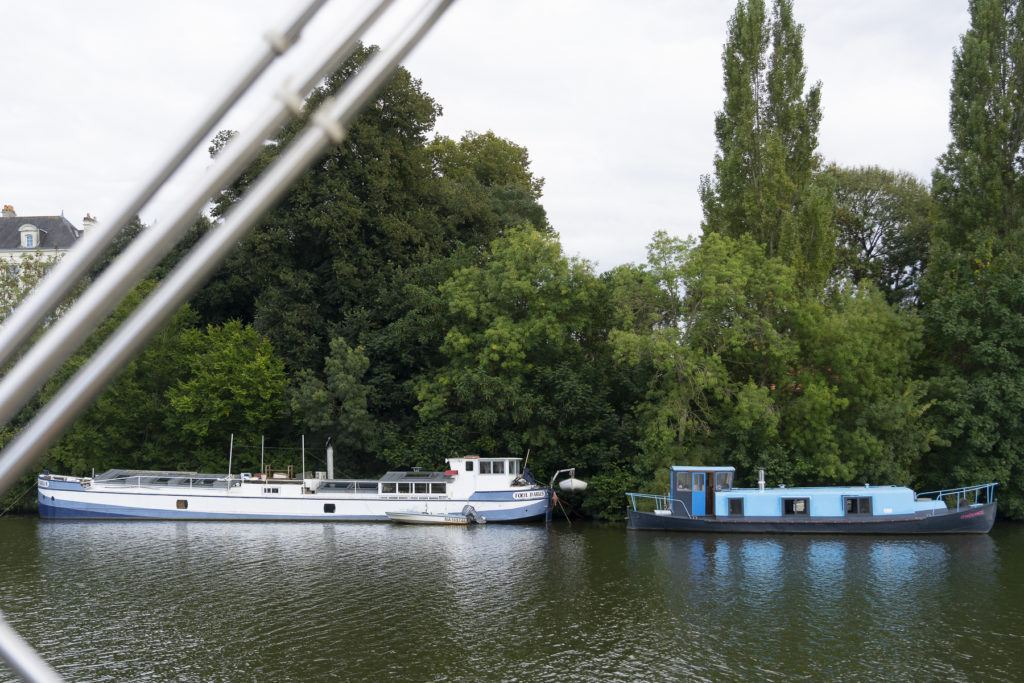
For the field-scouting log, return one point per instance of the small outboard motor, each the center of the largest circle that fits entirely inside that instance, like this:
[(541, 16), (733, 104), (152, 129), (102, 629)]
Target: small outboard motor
[(472, 515)]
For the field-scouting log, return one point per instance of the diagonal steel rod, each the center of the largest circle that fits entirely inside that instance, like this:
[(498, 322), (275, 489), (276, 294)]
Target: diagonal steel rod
[(25, 661), (69, 332), (48, 294), (329, 125)]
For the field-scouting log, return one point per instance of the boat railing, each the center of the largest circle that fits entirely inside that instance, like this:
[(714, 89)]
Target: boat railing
[(965, 496), (137, 481), (648, 502)]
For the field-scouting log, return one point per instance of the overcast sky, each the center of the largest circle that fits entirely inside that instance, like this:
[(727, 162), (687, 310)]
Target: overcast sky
[(615, 100)]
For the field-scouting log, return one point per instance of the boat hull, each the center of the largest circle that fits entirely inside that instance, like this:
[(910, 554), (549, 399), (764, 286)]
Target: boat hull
[(976, 519), (426, 518), (69, 501)]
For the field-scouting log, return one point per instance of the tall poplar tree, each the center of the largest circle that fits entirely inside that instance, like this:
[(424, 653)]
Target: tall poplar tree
[(972, 294), (767, 132)]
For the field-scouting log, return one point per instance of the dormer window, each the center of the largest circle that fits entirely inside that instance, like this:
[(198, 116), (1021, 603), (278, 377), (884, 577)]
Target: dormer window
[(29, 236)]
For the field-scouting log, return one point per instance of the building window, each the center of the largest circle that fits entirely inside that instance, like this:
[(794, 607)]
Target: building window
[(796, 506), (13, 270), (735, 507), (328, 507), (29, 239), (857, 506)]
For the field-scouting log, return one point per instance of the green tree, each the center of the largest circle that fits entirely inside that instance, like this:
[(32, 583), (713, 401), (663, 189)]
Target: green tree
[(330, 260), (756, 373), (337, 405), (973, 303), (125, 425), (764, 183), (883, 224), (231, 382), (526, 368), (18, 279)]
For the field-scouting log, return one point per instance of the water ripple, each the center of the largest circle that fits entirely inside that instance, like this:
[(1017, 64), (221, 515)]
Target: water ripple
[(213, 601)]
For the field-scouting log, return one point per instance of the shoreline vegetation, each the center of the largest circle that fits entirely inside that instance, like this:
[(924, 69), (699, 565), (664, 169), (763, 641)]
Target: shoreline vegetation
[(410, 299)]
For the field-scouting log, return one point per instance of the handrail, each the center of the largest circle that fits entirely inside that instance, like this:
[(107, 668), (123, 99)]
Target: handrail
[(963, 493), (660, 502)]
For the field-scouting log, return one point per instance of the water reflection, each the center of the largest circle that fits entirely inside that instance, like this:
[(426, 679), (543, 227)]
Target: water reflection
[(229, 601)]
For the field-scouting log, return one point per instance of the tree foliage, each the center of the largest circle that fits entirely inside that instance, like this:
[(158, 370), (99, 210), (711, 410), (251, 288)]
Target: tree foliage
[(883, 224), (972, 295), (764, 183), (757, 373)]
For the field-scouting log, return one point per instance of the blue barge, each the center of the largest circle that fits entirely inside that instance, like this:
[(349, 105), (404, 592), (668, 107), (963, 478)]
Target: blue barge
[(703, 499)]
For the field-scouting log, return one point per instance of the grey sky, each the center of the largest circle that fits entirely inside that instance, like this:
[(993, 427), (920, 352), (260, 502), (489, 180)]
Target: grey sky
[(615, 100)]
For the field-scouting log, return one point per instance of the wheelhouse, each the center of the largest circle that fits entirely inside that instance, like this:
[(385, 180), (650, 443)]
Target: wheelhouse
[(693, 488)]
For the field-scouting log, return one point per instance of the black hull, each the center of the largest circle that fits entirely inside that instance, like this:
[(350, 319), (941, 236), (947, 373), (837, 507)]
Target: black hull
[(972, 520)]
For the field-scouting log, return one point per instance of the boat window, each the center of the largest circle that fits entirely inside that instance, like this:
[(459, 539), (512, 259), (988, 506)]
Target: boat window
[(857, 506), (723, 481), (498, 467), (469, 465), (438, 488), (387, 488), (735, 507), (420, 487), (183, 505), (485, 467), (271, 490), (796, 506), (683, 480), (513, 467), (405, 487), (698, 481), (328, 507)]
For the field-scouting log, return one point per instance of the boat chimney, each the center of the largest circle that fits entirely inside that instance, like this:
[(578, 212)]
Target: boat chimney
[(760, 480), (330, 457)]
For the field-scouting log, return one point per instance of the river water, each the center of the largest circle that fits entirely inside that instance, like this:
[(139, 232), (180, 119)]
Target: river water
[(245, 601)]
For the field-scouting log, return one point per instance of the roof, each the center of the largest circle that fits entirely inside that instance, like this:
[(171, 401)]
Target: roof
[(701, 468), (55, 232), (414, 476)]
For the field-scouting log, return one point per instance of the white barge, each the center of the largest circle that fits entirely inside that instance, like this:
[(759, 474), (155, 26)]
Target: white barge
[(499, 489)]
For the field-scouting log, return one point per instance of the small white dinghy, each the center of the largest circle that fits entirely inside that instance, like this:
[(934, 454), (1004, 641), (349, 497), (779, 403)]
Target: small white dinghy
[(468, 516)]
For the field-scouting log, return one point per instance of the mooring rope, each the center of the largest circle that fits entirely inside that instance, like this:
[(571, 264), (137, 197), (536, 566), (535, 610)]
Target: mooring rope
[(18, 499)]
